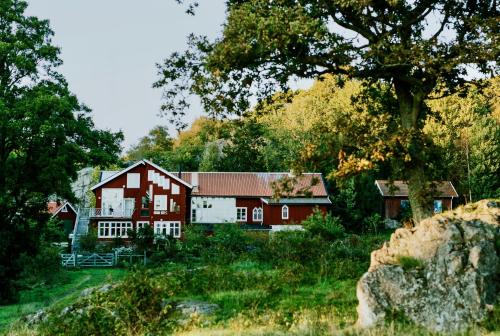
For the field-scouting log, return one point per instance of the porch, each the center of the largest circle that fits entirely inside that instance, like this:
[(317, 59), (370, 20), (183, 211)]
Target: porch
[(107, 213)]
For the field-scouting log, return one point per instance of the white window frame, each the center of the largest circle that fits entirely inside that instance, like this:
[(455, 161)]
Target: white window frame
[(193, 215), (241, 212), (64, 209), (257, 214), (133, 180), (141, 225), (168, 229), (175, 189), (160, 207), (285, 212), (113, 229)]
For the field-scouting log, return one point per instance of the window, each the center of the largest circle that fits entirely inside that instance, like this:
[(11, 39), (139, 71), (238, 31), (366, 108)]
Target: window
[(145, 202), (193, 215), (160, 204), (168, 229), (284, 212), (64, 209), (133, 180), (438, 206), (142, 225), (113, 229), (175, 189), (241, 214), (257, 214), (405, 204), (205, 204)]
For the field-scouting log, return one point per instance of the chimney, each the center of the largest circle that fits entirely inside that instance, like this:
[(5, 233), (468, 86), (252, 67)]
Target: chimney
[(194, 181)]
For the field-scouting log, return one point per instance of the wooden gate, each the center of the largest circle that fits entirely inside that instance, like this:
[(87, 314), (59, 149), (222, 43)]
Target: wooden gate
[(88, 260)]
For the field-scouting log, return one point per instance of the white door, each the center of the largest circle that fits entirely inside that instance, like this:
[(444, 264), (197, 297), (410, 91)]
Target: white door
[(112, 201)]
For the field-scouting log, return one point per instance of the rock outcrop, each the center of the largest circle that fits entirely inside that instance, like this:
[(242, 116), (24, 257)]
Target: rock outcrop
[(442, 274)]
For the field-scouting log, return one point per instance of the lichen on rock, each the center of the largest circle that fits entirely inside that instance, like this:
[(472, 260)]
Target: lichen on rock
[(456, 280)]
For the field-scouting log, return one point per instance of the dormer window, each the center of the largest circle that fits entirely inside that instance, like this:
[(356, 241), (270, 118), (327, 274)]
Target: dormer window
[(284, 212)]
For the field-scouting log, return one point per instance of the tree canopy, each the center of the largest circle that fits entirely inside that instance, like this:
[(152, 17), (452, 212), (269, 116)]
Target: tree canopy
[(419, 49), (46, 136)]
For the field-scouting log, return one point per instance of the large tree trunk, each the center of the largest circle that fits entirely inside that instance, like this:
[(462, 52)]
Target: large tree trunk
[(419, 187)]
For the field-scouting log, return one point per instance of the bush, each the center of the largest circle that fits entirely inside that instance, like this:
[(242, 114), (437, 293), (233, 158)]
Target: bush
[(143, 238), (88, 242), (373, 223), (139, 305), (226, 245), (326, 226), (42, 269)]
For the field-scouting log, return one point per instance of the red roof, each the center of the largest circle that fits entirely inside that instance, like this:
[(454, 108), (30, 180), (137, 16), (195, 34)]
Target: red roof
[(400, 188), (249, 184)]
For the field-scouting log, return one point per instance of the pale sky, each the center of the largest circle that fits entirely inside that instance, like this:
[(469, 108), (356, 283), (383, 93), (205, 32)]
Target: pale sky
[(110, 48)]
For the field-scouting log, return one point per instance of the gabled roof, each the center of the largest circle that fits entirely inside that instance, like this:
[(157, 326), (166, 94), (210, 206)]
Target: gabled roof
[(142, 162), (400, 188), (55, 207), (249, 184)]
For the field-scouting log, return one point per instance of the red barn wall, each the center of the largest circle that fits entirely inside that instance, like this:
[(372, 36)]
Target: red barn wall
[(250, 204), (296, 213)]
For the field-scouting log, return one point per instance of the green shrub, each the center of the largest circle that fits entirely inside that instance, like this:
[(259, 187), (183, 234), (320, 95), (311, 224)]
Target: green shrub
[(409, 263), (54, 231), (227, 244), (139, 305), (326, 226), (42, 269), (88, 242), (142, 238), (373, 223)]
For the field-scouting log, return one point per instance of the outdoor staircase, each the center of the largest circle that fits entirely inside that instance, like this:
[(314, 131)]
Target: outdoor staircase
[(81, 228)]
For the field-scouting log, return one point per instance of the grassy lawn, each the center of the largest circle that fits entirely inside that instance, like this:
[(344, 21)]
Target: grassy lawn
[(65, 291)]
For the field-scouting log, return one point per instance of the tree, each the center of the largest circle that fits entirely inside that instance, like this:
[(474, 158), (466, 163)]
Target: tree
[(46, 136), (154, 146), (420, 49)]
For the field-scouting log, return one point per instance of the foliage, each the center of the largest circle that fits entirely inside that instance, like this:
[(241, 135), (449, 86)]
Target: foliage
[(138, 305), (88, 241), (46, 136), (324, 225), (396, 46), (65, 289), (143, 238), (468, 135), (43, 269), (408, 262), (373, 223), (154, 146), (55, 231)]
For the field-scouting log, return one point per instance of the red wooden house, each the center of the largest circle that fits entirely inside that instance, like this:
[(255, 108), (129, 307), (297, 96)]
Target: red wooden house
[(247, 198), (142, 194), (146, 194), (65, 212), (395, 196)]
